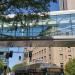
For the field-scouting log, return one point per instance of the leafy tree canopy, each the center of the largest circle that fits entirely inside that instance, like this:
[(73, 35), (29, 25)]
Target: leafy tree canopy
[(21, 8), (17, 66), (70, 67), (34, 5)]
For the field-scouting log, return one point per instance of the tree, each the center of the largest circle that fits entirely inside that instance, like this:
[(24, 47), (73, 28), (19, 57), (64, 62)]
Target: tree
[(1, 66), (17, 66), (34, 5), (70, 67), (16, 6), (22, 19)]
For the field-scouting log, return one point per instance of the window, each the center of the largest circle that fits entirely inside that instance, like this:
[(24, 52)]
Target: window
[(44, 58), (50, 56), (45, 50), (39, 52), (42, 51), (69, 50), (35, 54), (70, 57), (61, 56), (41, 57), (61, 65)]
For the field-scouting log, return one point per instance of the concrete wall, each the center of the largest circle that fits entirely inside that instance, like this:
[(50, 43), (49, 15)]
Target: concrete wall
[(71, 4), (67, 4), (52, 55)]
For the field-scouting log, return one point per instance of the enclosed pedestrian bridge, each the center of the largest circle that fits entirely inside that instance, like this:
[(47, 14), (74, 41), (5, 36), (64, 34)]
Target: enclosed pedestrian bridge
[(43, 29)]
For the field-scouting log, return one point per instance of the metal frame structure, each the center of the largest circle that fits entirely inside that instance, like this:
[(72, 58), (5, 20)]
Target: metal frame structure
[(62, 23), (54, 25)]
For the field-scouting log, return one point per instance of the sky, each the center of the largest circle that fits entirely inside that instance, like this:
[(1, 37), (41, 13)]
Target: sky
[(15, 59), (54, 6), (17, 51)]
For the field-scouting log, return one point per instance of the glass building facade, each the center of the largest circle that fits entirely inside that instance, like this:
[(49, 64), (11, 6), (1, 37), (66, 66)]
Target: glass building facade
[(62, 23), (59, 23)]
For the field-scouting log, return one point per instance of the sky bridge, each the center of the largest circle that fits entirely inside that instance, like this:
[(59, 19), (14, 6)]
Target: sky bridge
[(56, 28)]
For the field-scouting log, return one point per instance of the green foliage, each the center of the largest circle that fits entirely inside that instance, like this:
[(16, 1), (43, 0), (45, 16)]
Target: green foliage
[(1, 65), (70, 67), (17, 66), (35, 5), (23, 19)]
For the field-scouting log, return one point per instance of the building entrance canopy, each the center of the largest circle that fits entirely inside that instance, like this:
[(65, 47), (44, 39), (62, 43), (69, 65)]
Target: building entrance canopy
[(49, 26)]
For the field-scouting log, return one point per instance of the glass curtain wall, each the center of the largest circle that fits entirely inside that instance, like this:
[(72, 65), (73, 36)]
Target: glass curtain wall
[(55, 25), (62, 25)]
